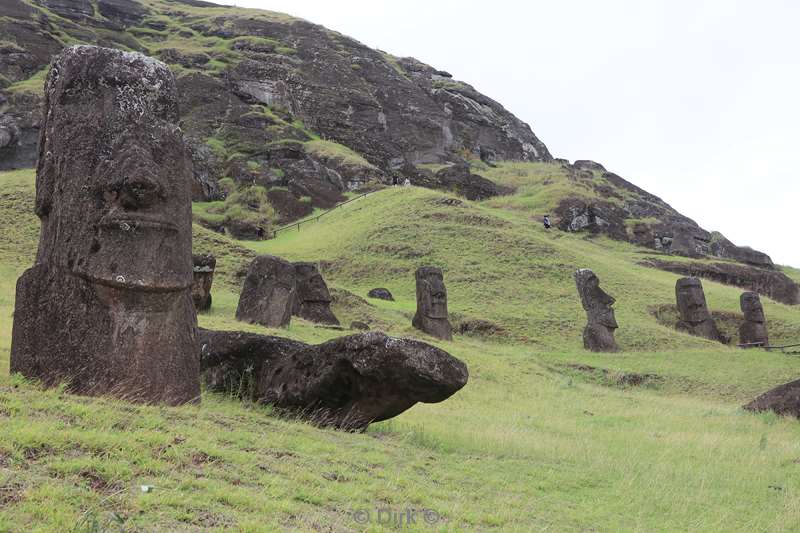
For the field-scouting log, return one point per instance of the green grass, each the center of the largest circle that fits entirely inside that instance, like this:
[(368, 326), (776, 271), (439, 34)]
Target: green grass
[(545, 436), (340, 154)]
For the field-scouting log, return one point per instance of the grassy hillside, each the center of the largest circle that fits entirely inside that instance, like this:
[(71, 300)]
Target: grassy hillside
[(544, 437)]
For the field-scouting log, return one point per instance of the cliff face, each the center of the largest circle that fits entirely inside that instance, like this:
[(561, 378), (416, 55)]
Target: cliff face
[(259, 91)]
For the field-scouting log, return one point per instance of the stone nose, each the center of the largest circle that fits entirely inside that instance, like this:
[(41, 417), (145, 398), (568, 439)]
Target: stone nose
[(140, 191)]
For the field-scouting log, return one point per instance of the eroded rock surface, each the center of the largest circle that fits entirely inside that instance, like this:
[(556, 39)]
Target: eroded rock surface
[(107, 307)]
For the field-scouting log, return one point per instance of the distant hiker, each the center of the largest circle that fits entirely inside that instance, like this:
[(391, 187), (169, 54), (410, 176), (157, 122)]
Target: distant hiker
[(407, 183), (547, 222)]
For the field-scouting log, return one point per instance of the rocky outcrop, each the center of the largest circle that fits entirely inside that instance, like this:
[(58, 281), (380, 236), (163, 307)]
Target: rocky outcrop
[(783, 400), (345, 383), (770, 283)]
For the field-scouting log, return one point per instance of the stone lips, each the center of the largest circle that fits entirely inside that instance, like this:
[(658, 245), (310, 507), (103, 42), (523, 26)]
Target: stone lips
[(269, 292), (432, 315), (598, 335), (107, 306)]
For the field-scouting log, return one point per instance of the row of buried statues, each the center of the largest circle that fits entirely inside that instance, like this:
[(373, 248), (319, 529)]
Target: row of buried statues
[(274, 290), (108, 308), (694, 316)]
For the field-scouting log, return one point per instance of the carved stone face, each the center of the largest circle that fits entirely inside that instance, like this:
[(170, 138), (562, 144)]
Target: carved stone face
[(311, 286), (431, 293), (751, 307), (597, 303), (114, 176), (691, 300)]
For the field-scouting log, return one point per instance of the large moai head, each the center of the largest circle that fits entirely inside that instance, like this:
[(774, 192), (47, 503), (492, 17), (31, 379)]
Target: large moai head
[(597, 303), (313, 299), (753, 331), (691, 301), (432, 316), (111, 187), (598, 335), (107, 307), (752, 308), (269, 292)]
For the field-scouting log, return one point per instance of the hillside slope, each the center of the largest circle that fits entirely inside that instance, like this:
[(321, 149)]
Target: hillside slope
[(566, 441)]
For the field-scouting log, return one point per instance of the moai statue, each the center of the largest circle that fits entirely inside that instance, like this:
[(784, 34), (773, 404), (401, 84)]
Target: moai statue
[(753, 331), (202, 279), (313, 301), (107, 307), (695, 318), (431, 316), (269, 292), (598, 335)]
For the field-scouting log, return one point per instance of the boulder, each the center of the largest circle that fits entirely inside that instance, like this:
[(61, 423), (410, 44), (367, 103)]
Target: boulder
[(313, 300), (783, 400), (107, 308), (459, 179), (432, 316), (269, 292), (358, 325), (202, 279), (381, 294)]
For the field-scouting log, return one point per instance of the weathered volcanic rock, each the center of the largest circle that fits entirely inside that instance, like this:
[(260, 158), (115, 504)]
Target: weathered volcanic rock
[(770, 283), (381, 294), (269, 292), (783, 400), (202, 279), (722, 247), (431, 316), (695, 318), (352, 381), (459, 179), (107, 306), (346, 383), (313, 300), (598, 335), (753, 331)]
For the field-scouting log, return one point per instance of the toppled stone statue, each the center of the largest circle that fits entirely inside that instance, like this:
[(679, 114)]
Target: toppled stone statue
[(345, 383), (269, 292), (381, 294), (431, 316), (783, 400), (753, 331), (107, 307), (598, 335), (313, 300), (695, 317), (202, 279)]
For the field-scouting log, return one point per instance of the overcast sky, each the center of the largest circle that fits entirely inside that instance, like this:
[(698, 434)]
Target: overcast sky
[(695, 101)]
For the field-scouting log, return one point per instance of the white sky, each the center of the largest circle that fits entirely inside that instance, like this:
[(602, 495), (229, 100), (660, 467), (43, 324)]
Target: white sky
[(694, 101)]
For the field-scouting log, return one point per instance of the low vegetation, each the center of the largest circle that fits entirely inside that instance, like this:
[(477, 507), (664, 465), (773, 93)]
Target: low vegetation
[(652, 438)]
